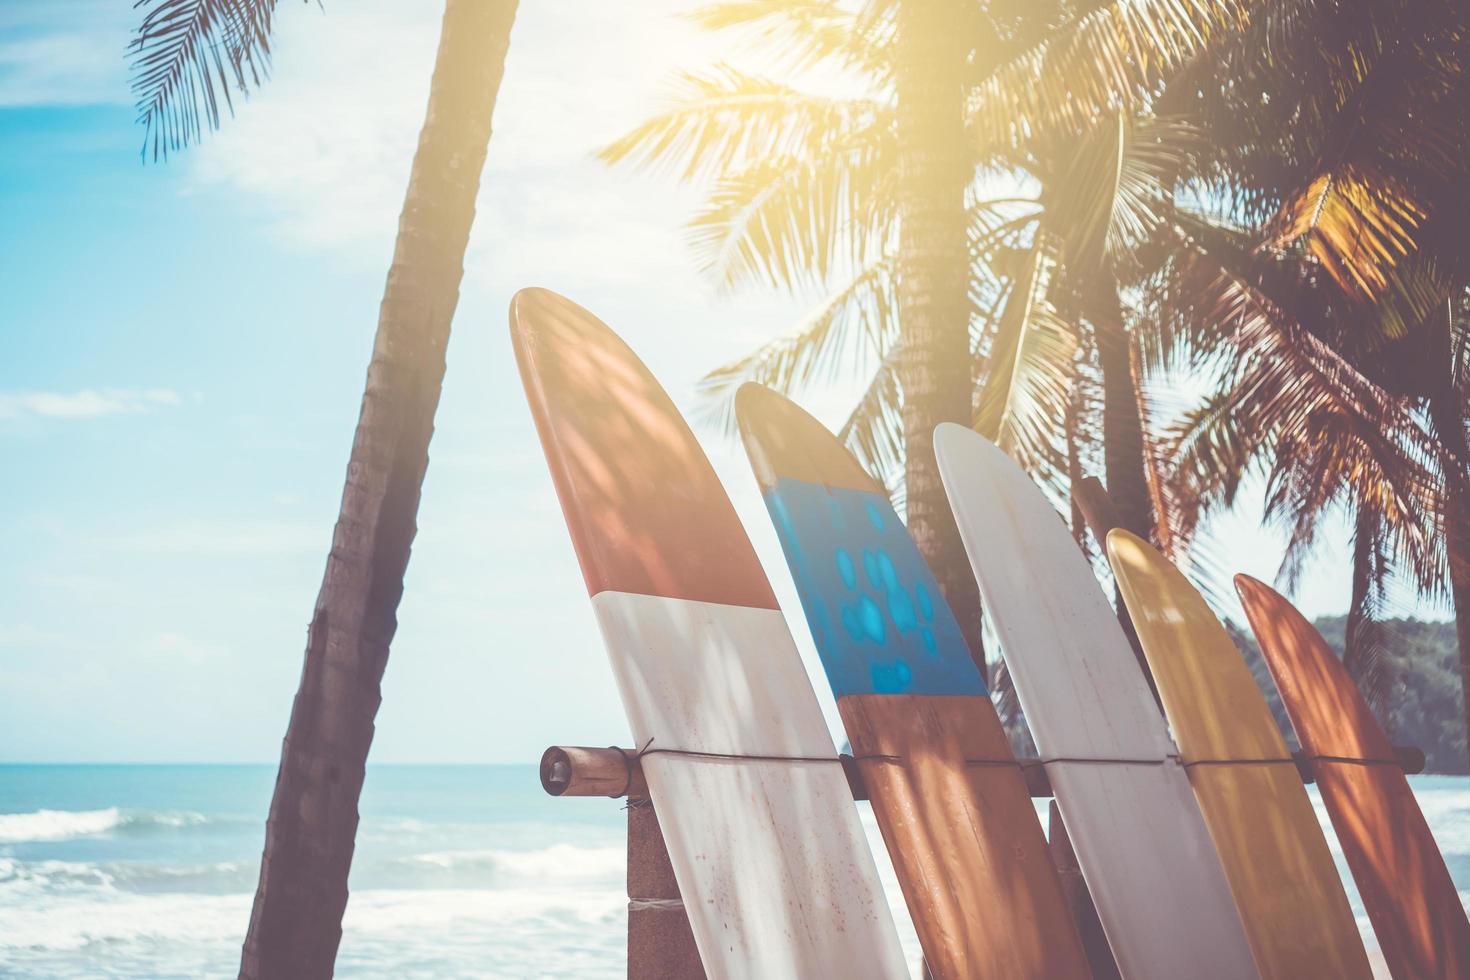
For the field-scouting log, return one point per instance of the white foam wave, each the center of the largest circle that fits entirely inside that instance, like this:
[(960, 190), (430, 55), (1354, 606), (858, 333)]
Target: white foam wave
[(407, 917), (54, 825), (48, 825), (560, 862)]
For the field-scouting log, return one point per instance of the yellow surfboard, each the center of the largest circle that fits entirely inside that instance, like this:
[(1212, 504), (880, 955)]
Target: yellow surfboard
[(1290, 897)]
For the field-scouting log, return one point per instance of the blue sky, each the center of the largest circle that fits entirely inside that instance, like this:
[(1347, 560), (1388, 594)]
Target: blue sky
[(184, 351)]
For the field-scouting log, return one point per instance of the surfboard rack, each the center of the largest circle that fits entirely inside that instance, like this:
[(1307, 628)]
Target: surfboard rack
[(660, 942), (574, 770)]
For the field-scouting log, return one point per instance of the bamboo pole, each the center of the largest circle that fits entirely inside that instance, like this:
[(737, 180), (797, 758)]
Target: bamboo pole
[(571, 770)]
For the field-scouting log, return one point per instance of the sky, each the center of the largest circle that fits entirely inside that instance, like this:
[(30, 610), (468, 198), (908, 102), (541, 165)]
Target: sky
[(184, 348)]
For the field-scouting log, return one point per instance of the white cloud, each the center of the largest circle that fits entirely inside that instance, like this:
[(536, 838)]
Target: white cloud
[(227, 538), (326, 145), (64, 54), (177, 647), (86, 404)]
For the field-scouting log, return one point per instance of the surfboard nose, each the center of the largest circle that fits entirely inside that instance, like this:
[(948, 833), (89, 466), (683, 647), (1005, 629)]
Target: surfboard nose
[(531, 304), (783, 440)]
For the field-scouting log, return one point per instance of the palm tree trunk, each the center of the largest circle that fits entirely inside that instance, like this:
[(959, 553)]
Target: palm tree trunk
[(1449, 427), (1457, 545), (296, 922), (1362, 642), (1123, 459), (934, 275)]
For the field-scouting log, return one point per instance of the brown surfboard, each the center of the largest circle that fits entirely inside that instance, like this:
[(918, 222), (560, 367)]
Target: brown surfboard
[(1406, 888), (949, 797)]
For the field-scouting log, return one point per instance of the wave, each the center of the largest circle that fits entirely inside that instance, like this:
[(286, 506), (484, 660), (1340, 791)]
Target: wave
[(521, 932), (560, 862), (559, 867), (55, 825), (23, 880)]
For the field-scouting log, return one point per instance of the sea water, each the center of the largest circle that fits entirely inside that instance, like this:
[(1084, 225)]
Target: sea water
[(460, 871)]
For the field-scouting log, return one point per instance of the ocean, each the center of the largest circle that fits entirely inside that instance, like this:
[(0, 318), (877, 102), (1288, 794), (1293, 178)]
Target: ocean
[(460, 871)]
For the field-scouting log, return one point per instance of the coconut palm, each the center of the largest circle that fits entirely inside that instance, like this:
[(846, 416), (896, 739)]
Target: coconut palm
[(1340, 140), (1306, 398), (189, 55), (864, 196)]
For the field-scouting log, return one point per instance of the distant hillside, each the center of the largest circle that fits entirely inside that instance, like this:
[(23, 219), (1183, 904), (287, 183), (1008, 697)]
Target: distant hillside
[(1424, 707), (1423, 702)]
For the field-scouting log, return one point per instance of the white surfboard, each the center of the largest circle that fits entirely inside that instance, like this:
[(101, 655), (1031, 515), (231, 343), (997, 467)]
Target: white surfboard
[(772, 863), (1143, 846)]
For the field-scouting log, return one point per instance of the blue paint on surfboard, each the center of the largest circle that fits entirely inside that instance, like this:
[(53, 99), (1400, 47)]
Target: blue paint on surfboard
[(875, 611)]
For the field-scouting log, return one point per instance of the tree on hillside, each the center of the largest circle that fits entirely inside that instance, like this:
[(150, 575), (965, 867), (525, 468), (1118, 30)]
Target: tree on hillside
[(188, 56)]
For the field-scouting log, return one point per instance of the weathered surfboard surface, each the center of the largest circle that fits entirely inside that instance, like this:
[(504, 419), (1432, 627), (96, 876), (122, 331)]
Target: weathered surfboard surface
[(965, 841), (1290, 897), (1415, 910), (1144, 850), (769, 855)]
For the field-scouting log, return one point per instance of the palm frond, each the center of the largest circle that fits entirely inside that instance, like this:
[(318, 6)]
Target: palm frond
[(857, 322), (723, 120), (1002, 359), (1026, 394), (1320, 431), (873, 433), (1105, 60), (1116, 188), (186, 58), (803, 33), (792, 222), (1357, 224)]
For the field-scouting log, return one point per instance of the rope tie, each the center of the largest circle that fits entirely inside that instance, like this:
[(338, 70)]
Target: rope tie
[(655, 905)]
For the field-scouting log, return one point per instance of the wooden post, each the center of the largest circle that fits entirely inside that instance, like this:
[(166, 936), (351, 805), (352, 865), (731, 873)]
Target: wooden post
[(1074, 889), (660, 942)]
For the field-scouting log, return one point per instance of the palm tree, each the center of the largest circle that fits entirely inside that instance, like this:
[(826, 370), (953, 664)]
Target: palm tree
[(189, 54), (969, 120), (932, 40), (1340, 145), (1307, 399)]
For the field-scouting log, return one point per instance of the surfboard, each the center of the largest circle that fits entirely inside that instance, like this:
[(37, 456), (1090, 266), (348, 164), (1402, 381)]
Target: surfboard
[(1144, 850), (769, 854), (945, 787), (1406, 888), (1280, 870)]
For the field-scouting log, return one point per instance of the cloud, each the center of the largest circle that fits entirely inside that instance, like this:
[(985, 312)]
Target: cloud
[(87, 404), (176, 647), (226, 538), (64, 54), (325, 146)]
